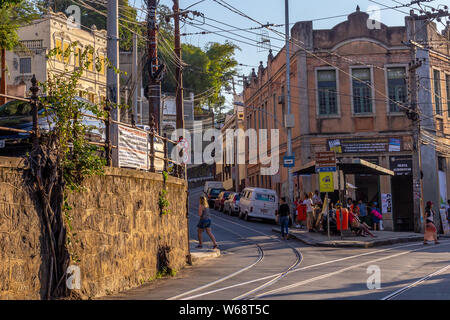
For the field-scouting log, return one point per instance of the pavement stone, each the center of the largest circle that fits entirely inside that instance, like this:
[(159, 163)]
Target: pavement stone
[(200, 254), (383, 238)]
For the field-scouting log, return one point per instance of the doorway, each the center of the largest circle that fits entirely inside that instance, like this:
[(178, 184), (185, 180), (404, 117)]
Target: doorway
[(402, 203)]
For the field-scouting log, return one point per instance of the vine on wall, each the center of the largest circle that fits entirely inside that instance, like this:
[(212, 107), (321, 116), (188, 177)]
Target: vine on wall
[(63, 158)]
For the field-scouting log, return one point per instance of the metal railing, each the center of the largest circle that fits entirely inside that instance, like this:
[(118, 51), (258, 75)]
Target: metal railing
[(178, 169)]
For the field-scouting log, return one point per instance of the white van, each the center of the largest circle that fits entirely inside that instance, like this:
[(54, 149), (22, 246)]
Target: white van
[(258, 203), (212, 184)]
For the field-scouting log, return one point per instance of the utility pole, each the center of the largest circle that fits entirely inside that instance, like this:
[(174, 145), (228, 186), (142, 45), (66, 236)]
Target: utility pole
[(178, 71), (154, 68), (134, 76), (3, 80), (112, 77), (288, 116), (413, 115)]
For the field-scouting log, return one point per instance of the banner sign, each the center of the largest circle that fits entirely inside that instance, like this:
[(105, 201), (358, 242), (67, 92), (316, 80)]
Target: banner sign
[(364, 145), (401, 165), (133, 148)]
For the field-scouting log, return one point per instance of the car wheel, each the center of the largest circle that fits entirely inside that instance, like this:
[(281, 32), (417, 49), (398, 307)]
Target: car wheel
[(240, 215), (246, 217)]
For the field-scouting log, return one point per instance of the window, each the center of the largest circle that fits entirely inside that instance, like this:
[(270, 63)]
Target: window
[(396, 78), (58, 44), (25, 65), (265, 197), (362, 91), (90, 59), (447, 85), (66, 52), (327, 92), (437, 91), (102, 64), (77, 57), (274, 111)]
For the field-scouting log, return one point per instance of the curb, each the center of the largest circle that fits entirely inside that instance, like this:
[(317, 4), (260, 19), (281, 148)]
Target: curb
[(354, 244), (198, 256)]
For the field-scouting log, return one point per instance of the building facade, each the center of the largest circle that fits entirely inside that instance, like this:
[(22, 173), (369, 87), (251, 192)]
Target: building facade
[(230, 171), (350, 90), (50, 31)]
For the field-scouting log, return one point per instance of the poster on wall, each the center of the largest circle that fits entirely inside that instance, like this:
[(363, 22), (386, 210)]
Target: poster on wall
[(444, 221), (133, 148), (386, 203)]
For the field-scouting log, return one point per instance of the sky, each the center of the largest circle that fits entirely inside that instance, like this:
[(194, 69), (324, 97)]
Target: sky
[(273, 11)]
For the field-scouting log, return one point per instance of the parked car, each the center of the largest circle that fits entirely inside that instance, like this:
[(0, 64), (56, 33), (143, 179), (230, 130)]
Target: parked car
[(218, 203), (212, 184), (258, 203), (212, 195), (17, 114), (231, 205)]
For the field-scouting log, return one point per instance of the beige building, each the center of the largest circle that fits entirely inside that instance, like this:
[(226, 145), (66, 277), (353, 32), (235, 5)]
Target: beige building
[(228, 171), (50, 31)]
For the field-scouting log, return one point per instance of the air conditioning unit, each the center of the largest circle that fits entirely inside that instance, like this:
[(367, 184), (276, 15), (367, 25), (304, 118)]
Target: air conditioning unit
[(280, 99)]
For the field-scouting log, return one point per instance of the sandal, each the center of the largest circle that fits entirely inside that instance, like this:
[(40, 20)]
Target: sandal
[(215, 247), (199, 246)]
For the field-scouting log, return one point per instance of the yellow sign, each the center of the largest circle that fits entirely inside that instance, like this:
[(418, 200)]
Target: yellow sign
[(326, 183)]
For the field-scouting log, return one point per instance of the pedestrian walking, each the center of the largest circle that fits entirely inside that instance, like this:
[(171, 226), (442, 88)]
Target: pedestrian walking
[(430, 228), (204, 223), (308, 201), (283, 218)]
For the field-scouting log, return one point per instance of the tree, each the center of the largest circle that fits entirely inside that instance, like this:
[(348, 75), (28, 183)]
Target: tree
[(208, 72), (13, 14)]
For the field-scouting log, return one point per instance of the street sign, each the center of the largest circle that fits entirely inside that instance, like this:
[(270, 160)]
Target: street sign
[(326, 183), (288, 161), (326, 169), (326, 161)]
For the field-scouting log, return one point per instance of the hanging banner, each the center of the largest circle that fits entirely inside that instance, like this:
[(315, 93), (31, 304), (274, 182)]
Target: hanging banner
[(133, 148), (326, 183)]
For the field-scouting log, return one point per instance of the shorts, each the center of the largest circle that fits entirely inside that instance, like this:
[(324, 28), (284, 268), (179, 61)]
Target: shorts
[(203, 224)]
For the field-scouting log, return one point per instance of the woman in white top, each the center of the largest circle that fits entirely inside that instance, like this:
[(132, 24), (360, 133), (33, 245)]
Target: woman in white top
[(309, 209)]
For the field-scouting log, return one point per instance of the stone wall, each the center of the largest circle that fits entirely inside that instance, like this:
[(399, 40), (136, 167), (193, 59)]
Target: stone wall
[(117, 232)]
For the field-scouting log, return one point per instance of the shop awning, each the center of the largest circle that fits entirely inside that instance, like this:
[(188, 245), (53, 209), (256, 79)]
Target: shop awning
[(349, 166)]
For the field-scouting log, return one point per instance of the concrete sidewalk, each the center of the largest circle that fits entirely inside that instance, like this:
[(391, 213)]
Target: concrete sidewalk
[(200, 254), (382, 238)]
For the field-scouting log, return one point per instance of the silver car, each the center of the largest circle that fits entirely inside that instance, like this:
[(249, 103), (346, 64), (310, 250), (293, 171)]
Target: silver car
[(231, 204)]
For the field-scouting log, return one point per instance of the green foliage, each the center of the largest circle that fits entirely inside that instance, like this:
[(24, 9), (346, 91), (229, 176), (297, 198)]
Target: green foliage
[(77, 158), (13, 14), (163, 203), (164, 272), (207, 72)]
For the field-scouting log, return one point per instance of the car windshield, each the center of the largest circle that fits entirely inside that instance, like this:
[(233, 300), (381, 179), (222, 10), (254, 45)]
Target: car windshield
[(15, 108), (265, 197), (215, 192)]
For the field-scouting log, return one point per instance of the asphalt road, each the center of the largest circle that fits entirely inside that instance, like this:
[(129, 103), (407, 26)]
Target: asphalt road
[(256, 264)]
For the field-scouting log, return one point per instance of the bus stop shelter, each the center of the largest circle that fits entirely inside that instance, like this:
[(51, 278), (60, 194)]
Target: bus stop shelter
[(347, 166)]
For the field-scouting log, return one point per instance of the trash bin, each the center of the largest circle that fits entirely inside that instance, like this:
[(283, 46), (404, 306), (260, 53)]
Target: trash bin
[(344, 219), (301, 212)]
